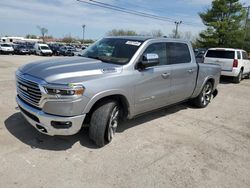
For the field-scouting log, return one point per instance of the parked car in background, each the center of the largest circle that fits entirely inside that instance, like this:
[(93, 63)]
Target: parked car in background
[(116, 78), (234, 62), (55, 48), (6, 49), (42, 49), (78, 52), (31, 49), (67, 51), (21, 50)]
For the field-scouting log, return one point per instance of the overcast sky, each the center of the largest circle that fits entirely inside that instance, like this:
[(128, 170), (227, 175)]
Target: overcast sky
[(64, 17)]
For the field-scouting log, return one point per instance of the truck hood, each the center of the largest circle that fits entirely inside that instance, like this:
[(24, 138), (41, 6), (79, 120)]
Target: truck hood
[(69, 70)]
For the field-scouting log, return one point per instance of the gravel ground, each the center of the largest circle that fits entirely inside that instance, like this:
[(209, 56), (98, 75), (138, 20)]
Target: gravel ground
[(179, 146)]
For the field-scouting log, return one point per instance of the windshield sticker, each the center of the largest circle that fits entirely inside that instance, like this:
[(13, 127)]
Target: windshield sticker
[(134, 43)]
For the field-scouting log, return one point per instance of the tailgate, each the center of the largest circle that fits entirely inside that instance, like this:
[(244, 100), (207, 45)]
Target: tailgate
[(222, 57), (226, 64)]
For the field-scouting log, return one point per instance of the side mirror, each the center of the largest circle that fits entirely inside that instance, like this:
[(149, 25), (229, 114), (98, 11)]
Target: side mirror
[(149, 60)]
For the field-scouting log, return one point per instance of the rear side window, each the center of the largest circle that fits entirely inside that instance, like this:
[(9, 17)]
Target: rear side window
[(220, 54), (178, 53), (238, 55)]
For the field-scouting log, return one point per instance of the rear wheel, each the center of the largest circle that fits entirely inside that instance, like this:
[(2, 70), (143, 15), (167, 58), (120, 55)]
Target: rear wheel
[(248, 76), (103, 122), (238, 78), (205, 96)]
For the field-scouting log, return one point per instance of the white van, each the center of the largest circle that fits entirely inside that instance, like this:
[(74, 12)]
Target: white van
[(6, 49), (234, 62), (42, 49)]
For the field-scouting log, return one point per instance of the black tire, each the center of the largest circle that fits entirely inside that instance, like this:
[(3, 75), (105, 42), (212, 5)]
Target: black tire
[(238, 78), (101, 121), (248, 76), (204, 98)]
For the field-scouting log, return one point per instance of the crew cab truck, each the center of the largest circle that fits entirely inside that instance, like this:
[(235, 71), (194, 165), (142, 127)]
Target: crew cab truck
[(116, 78), (234, 62)]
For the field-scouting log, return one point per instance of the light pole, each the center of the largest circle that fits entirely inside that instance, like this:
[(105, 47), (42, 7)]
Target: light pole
[(83, 32), (177, 23)]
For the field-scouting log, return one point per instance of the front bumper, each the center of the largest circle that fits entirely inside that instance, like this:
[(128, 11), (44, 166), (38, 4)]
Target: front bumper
[(6, 51), (42, 121)]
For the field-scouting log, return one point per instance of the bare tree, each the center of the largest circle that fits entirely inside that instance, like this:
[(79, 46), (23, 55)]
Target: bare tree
[(153, 33), (157, 33), (121, 32), (43, 31)]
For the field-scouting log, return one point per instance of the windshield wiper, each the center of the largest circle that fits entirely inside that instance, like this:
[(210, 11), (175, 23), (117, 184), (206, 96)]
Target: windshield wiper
[(98, 58)]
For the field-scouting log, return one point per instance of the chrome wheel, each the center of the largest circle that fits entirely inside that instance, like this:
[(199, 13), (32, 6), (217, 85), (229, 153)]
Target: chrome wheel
[(113, 123), (206, 94)]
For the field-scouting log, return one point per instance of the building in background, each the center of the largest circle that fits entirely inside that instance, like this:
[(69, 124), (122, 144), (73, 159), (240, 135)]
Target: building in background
[(18, 39)]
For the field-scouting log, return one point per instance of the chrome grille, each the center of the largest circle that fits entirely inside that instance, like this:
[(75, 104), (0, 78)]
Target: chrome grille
[(28, 91)]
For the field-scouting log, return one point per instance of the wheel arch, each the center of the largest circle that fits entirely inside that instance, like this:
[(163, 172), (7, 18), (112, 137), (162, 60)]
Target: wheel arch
[(201, 85), (97, 100)]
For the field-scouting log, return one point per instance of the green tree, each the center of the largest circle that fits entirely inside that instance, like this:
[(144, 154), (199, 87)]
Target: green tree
[(121, 32), (29, 36), (68, 39), (224, 21), (247, 41)]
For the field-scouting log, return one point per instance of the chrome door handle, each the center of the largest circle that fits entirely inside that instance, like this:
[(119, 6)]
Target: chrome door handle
[(165, 75), (190, 71)]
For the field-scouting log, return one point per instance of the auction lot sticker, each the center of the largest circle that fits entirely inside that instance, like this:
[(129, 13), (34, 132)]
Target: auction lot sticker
[(134, 43)]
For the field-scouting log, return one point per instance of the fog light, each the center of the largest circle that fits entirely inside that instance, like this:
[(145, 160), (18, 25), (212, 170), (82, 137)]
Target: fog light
[(61, 124)]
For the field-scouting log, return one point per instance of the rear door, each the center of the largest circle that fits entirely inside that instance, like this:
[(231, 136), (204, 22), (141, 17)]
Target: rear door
[(224, 58), (184, 71)]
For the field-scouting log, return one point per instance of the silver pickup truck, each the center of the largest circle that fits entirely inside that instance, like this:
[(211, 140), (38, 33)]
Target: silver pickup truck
[(116, 78)]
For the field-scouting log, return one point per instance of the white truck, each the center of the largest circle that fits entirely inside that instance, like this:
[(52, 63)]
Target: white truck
[(234, 62)]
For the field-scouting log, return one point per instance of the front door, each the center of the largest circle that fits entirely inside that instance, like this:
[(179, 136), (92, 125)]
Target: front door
[(153, 86)]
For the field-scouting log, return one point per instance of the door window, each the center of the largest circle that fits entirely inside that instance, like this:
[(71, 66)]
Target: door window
[(178, 53), (160, 50)]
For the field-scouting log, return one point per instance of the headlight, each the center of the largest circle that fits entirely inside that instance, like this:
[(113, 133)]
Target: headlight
[(70, 90)]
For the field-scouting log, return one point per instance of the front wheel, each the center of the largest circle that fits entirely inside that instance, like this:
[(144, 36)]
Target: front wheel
[(205, 96), (103, 122)]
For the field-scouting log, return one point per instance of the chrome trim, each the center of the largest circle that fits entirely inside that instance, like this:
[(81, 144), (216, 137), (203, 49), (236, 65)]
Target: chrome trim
[(38, 87), (28, 90), (45, 120)]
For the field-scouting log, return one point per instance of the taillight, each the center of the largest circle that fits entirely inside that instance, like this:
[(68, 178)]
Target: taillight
[(235, 64)]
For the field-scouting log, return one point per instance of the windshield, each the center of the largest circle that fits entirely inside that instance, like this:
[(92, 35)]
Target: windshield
[(44, 48), (5, 45), (113, 50)]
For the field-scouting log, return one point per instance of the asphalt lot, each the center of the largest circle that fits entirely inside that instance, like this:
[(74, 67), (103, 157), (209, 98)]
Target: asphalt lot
[(179, 146)]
